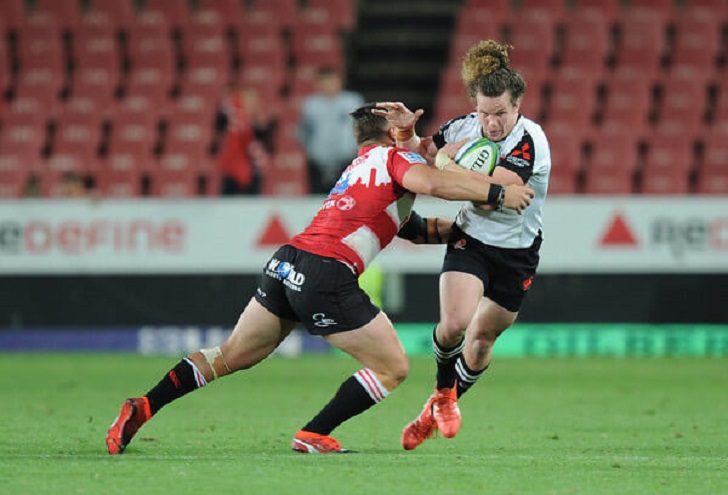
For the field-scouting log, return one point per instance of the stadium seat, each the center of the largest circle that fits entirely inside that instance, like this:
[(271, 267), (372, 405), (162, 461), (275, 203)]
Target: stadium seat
[(473, 25), (629, 98), (13, 14), (562, 182), (231, 12), (556, 9), (609, 10), (67, 13), (175, 176), (313, 20), (12, 178), (42, 84), (683, 99), (663, 5), (317, 49), (121, 12), (532, 36), (697, 40), (152, 84), (587, 42), (115, 181), (176, 12), (206, 50), (609, 182), (132, 141), (573, 99), (263, 49), (664, 182), (39, 44), (285, 11), (343, 12), (95, 50), (641, 43), (288, 176), (713, 181), (612, 150), (76, 142), (717, 8), (99, 84)]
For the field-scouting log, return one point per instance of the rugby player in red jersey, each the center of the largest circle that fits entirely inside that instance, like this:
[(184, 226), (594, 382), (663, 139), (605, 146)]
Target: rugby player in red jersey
[(312, 280)]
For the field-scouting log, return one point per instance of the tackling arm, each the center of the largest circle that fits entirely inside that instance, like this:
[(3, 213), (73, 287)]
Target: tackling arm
[(419, 230)]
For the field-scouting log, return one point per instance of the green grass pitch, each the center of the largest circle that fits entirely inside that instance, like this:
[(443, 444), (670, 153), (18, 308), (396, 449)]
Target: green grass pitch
[(531, 426)]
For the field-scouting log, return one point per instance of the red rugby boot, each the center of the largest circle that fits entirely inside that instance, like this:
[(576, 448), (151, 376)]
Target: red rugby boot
[(133, 414)]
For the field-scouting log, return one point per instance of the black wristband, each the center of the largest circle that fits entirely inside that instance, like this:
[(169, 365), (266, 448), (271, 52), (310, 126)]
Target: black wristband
[(414, 227), (496, 194)]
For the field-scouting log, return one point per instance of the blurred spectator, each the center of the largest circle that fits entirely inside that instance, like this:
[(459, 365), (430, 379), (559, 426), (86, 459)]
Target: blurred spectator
[(72, 185), (32, 187), (325, 130), (246, 142)]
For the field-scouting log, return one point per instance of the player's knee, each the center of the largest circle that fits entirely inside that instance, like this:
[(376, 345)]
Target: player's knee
[(397, 371), (452, 328)]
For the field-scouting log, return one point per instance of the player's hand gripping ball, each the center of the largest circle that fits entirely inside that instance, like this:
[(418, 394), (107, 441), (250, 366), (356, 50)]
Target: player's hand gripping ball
[(479, 155)]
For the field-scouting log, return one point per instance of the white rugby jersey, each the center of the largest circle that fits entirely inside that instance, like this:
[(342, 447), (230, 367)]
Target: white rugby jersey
[(524, 151)]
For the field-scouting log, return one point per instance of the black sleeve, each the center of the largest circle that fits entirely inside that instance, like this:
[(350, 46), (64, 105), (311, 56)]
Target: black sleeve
[(414, 227), (521, 158)]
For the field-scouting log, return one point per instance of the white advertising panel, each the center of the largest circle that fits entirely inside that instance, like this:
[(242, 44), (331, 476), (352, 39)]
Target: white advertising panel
[(582, 235)]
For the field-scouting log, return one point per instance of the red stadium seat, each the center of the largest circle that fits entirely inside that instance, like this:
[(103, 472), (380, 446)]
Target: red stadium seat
[(718, 8), (713, 181), (13, 13), (609, 10), (40, 44), (98, 84), (588, 42), (175, 176), (613, 149), (642, 42), (41, 84), (532, 37), (555, 9), (664, 182), (206, 50), (343, 12), (572, 99), (122, 12), (95, 50), (562, 182), (473, 25), (314, 20), (318, 49), (67, 13), (609, 182), (697, 40), (132, 142), (153, 84), (683, 99), (115, 182), (176, 12), (285, 11), (231, 12), (12, 180)]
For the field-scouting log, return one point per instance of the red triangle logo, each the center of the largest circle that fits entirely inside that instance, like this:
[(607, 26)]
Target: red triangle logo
[(275, 233), (618, 233)]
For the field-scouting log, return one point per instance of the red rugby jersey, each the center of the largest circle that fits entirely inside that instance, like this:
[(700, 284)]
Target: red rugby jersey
[(364, 210)]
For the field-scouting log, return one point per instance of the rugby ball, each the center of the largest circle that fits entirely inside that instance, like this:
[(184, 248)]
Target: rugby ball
[(479, 155)]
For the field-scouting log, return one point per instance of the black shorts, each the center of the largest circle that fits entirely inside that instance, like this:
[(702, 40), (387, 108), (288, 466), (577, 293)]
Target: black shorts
[(507, 274), (322, 293)]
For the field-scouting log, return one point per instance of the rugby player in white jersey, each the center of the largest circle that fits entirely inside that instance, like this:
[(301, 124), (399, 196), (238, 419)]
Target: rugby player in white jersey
[(492, 255), (313, 280)]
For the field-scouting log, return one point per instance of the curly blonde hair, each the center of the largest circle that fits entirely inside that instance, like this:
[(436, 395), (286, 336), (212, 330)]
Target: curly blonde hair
[(486, 71)]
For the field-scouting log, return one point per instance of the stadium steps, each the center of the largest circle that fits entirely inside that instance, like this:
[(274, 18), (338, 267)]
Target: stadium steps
[(398, 49)]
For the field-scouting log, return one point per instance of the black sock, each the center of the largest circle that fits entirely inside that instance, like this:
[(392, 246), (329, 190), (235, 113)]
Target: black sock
[(466, 376), (446, 357), (351, 399), (180, 380)]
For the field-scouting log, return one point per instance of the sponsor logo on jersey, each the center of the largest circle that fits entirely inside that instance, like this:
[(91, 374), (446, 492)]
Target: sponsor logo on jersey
[(320, 320), (341, 185), (285, 272), (527, 283), (460, 244), (412, 157), (521, 156), (343, 203)]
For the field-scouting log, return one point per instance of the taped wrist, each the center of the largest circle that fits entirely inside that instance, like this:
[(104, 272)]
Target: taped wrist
[(414, 227), (441, 160), (404, 134), (496, 195)]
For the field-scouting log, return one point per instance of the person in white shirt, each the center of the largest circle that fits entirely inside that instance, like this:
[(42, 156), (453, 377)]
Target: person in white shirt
[(492, 255)]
